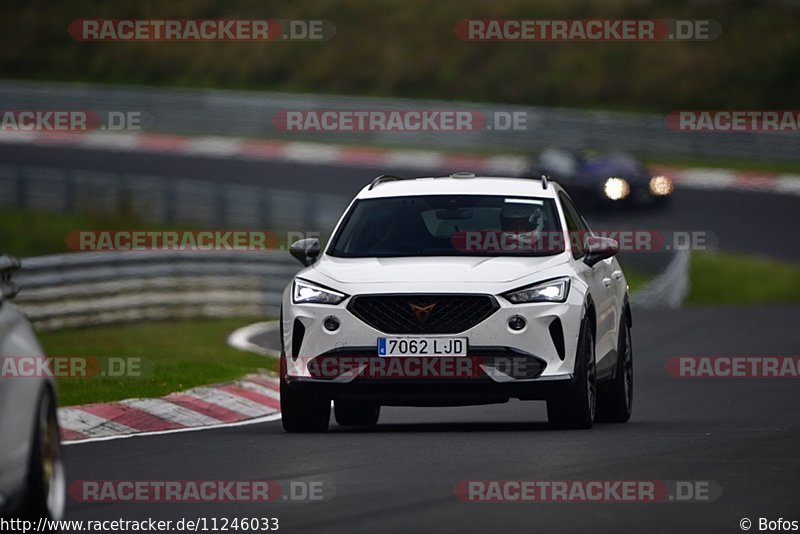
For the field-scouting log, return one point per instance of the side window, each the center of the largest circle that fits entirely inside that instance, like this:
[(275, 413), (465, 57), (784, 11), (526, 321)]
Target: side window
[(575, 225)]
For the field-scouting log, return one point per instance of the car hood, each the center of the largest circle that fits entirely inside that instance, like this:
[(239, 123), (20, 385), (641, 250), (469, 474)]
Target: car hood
[(472, 269)]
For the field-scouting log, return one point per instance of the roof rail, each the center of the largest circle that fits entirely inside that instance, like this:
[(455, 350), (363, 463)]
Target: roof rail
[(383, 178), (545, 180)]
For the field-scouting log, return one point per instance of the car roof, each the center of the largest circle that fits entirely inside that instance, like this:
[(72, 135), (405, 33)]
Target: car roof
[(447, 185)]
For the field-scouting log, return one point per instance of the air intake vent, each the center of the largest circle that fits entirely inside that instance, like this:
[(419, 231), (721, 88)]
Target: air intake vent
[(557, 333), (298, 331)]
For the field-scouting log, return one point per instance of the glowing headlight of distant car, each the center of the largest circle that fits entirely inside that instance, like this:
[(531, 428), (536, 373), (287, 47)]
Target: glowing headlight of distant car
[(555, 290), (660, 186), (616, 188), (305, 292)]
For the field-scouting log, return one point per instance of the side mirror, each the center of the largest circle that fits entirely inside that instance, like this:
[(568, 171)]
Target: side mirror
[(599, 248), (306, 251)]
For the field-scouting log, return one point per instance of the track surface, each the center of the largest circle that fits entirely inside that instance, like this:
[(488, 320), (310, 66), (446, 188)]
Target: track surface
[(737, 221), (400, 477)]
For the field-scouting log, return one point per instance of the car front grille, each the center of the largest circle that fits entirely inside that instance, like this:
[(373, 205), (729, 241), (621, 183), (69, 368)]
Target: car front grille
[(422, 314)]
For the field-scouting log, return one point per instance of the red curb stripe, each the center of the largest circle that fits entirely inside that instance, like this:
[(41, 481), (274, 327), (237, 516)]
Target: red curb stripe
[(263, 149), (70, 435), (363, 156), (266, 382), (456, 162), (252, 395), (132, 417), (206, 408)]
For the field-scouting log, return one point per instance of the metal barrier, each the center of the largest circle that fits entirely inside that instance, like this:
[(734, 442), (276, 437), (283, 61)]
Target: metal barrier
[(84, 289), (168, 199), (250, 114), (91, 288)]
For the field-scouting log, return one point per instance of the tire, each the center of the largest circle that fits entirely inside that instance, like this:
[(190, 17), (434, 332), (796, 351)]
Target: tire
[(354, 413), (576, 408), (615, 404), (45, 494), (301, 413)]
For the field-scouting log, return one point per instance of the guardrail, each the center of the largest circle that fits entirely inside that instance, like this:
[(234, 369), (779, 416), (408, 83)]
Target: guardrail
[(168, 199), (84, 289), (91, 288), (250, 114)]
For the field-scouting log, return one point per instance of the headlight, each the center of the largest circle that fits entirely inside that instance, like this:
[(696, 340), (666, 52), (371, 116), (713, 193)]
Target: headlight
[(305, 292), (660, 186), (616, 188), (555, 290)]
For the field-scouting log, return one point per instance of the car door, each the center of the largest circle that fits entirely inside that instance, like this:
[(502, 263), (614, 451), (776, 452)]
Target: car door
[(600, 286)]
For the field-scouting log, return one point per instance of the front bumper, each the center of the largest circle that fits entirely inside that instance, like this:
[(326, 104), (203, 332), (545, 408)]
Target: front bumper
[(432, 393)]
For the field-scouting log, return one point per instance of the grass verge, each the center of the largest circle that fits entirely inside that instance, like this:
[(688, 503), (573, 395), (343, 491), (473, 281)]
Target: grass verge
[(724, 278), (175, 355)]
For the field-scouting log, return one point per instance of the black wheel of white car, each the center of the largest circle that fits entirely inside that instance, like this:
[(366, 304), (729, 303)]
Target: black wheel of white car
[(576, 408), (354, 413), (46, 489), (300, 413), (616, 402)]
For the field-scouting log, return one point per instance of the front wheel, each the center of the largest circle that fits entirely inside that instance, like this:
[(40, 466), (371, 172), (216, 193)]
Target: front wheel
[(616, 403), (576, 408), (301, 413), (46, 488)]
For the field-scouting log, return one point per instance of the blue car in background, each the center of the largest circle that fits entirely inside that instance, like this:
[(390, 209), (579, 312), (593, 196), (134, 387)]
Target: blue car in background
[(596, 179)]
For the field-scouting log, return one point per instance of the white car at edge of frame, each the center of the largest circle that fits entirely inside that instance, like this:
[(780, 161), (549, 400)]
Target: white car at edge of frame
[(464, 269), (32, 477)]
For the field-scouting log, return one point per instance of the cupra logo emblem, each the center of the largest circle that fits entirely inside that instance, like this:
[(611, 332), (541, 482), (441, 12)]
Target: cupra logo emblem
[(422, 312)]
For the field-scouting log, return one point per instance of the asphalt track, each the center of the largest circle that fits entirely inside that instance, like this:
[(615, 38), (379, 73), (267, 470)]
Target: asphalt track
[(751, 222), (743, 434)]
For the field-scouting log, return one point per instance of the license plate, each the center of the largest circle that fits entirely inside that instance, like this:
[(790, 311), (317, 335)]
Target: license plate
[(422, 346)]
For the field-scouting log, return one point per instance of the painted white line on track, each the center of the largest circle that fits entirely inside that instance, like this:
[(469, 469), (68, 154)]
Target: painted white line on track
[(240, 338)]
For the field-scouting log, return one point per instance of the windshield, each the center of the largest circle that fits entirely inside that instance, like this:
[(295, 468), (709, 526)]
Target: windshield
[(449, 225)]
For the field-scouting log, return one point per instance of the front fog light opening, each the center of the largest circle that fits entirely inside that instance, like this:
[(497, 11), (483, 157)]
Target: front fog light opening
[(517, 323), (331, 323)]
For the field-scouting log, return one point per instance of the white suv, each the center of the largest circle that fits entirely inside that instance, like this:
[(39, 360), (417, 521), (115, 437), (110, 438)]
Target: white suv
[(454, 291)]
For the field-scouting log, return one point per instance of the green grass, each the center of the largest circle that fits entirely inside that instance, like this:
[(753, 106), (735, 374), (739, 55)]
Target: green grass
[(175, 356), (26, 233), (46, 233), (636, 279), (723, 278)]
